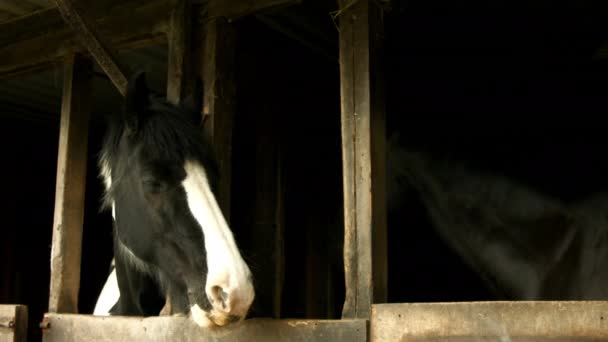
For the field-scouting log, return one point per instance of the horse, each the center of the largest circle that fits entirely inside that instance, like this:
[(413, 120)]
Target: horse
[(524, 244), (171, 241)]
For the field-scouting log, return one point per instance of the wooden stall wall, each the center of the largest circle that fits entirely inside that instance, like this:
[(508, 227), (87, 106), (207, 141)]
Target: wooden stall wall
[(287, 173), (29, 159)]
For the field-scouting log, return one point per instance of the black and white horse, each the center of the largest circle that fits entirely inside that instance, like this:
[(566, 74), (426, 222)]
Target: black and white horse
[(171, 241)]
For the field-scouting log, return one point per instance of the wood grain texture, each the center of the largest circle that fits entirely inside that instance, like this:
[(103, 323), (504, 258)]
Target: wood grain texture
[(217, 70), (70, 186), (45, 44), (363, 154), (179, 41), (13, 323), (491, 321), (83, 328), (98, 48)]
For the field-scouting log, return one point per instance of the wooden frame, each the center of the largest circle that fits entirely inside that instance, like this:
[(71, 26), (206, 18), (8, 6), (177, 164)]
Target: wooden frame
[(66, 328), (123, 26), (97, 48), (491, 321), (217, 64), (13, 323), (179, 39), (70, 189), (363, 156)]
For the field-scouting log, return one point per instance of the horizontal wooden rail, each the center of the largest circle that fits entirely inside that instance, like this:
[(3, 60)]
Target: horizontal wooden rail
[(83, 328), (491, 321)]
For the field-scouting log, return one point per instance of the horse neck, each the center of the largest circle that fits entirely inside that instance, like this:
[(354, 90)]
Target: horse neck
[(511, 236)]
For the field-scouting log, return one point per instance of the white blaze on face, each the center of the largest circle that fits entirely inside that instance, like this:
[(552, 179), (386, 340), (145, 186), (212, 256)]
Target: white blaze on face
[(226, 268)]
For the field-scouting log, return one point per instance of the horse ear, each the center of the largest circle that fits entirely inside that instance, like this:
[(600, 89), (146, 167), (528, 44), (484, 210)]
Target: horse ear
[(136, 101)]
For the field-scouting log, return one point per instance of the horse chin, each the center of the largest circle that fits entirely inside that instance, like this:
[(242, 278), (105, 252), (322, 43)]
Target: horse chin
[(200, 317), (210, 319)]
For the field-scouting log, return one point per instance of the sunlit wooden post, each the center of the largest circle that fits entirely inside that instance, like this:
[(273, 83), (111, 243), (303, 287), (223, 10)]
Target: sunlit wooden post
[(70, 186), (363, 155)]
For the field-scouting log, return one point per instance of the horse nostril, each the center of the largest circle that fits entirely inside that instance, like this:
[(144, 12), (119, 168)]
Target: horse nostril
[(219, 295)]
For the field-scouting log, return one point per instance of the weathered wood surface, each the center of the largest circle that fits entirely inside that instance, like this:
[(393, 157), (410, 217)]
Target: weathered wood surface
[(13, 323), (87, 34), (217, 69), (83, 328), (123, 26), (70, 186), (179, 41), (491, 321), (235, 9), (363, 155)]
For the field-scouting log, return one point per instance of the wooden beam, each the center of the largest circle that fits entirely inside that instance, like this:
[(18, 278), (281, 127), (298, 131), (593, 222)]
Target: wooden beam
[(179, 39), (491, 321), (235, 9), (363, 154), (217, 70), (123, 26), (13, 323), (70, 188), (66, 328), (49, 19), (98, 48)]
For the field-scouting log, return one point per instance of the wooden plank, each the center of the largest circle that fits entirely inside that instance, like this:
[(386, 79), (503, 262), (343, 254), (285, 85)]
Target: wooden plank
[(98, 48), (70, 187), (363, 155), (124, 27), (217, 70), (179, 39), (66, 328), (49, 19), (491, 321), (235, 9), (13, 323)]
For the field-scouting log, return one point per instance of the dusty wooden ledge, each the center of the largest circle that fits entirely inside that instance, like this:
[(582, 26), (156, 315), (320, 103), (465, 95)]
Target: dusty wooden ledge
[(73, 327), (491, 321), (13, 323)]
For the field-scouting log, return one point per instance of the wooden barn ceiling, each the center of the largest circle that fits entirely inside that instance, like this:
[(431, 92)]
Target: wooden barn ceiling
[(32, 31), (11, 9), (34, 37)]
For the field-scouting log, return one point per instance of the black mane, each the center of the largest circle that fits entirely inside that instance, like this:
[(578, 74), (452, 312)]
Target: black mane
[(168, 133)]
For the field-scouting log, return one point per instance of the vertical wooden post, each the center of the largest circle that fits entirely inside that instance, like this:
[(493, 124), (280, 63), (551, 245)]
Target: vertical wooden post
[(179, 38), (217, 69), (363, 154), (70, 186)]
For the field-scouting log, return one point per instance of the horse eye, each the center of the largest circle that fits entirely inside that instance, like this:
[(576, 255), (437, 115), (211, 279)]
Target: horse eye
[(153, 185)]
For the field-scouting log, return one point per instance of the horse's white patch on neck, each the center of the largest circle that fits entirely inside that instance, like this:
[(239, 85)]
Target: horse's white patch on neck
[(226, 268), (106, 175), (109, 295)]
